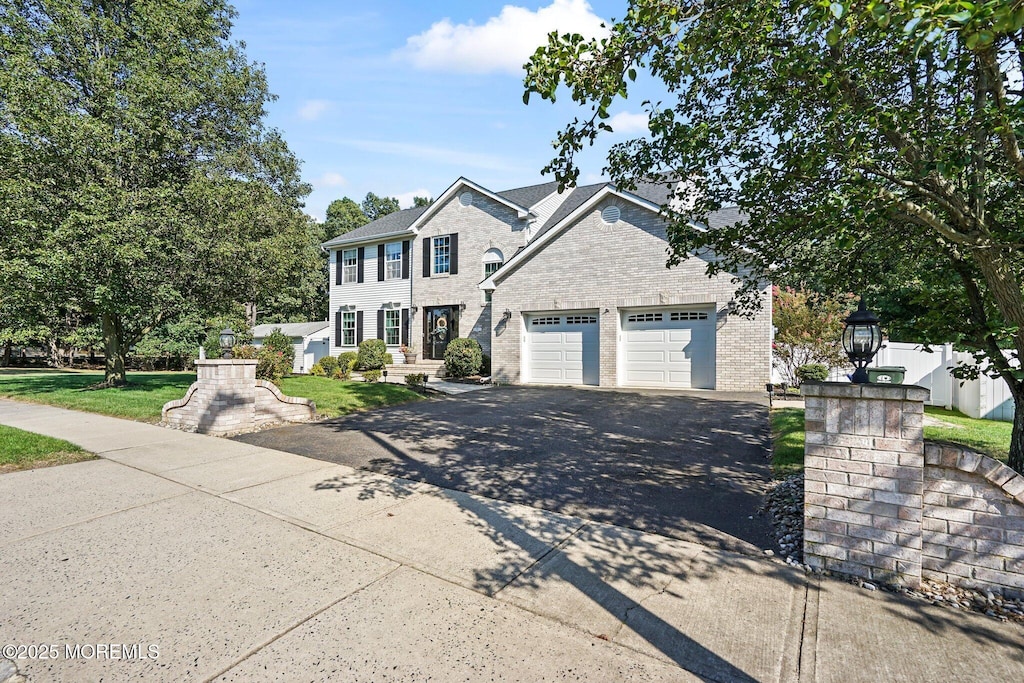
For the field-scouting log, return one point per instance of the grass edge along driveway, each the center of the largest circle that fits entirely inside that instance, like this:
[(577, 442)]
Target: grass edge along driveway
[(985, 436), (147, 392), (21, 450)]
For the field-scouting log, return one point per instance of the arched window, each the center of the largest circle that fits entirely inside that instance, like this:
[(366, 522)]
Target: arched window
[(493, 259)]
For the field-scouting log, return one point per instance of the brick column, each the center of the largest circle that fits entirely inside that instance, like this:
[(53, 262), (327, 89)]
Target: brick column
[(221, 401), (864, 480)]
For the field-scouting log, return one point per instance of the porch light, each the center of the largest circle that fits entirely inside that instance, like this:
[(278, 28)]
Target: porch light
[(227, 342), (862, 338), (507, 315)]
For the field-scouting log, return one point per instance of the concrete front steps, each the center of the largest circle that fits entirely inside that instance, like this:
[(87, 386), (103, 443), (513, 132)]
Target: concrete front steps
[(431, 368)]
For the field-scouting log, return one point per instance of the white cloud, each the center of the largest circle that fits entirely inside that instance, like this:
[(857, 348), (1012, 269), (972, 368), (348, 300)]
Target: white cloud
[(331, 180), (435, 155), (625, 122), (504, 43), (405, 198), (311, 110)]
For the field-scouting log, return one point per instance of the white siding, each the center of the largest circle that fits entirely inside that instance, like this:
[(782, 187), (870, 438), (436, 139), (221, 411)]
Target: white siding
[(370, 295), (544, 209)]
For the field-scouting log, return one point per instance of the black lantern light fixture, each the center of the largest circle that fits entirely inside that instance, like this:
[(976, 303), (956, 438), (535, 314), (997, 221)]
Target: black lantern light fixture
[(862, 338), (227, 342)]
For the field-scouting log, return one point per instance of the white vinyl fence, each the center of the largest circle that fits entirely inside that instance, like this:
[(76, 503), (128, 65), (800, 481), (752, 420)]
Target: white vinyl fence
[(985, 397)]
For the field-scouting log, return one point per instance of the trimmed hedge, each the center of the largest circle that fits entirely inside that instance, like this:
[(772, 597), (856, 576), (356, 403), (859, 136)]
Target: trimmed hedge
[(463, 357)]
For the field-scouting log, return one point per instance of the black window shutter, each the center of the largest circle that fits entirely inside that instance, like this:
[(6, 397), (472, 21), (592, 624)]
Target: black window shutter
[(453, 240), (359, 263), (405, 259), (359, 327), (405, 326), (380, 323), (380, 263), (337, 329), (338, 258), (426, 257)]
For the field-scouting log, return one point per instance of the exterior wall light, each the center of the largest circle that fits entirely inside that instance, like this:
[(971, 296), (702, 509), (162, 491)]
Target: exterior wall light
[(227, 342), (507, 315), (862, 338)]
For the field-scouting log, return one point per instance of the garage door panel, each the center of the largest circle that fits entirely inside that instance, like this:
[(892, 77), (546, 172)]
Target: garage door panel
[(669, 349), (564, 350)]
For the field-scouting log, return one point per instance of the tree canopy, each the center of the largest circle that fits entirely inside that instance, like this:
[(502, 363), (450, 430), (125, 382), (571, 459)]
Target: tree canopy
[(139, 180), (873, 147), (343, 215), (377, 207)]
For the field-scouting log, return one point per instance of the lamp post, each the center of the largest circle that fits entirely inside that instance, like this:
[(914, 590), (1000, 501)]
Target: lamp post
[(227, 342), (862, 338)]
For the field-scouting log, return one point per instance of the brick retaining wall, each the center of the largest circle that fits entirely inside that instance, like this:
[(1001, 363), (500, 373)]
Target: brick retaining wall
[(882, 505)]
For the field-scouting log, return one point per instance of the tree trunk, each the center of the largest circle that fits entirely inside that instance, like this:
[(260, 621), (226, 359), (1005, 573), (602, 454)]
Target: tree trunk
[(6, 362), (113, 350), (1016, 460)]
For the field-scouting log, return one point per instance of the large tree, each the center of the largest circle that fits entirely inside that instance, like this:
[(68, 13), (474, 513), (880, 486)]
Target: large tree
[(377, 207), (873, 146), (139, 178), (343, 215)]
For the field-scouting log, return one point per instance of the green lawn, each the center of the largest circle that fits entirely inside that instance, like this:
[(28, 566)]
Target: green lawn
[(147, 392), (986, 436), (21, 450)]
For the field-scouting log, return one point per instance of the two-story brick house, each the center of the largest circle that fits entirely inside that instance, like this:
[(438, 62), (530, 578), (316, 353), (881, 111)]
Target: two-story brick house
[(559, 288)]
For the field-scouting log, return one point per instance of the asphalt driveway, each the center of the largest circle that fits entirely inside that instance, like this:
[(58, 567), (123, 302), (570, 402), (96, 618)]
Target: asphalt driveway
[(692, 466)]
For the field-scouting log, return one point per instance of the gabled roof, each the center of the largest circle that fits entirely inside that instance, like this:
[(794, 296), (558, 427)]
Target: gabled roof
[(290, 329), (391, 224), (531, 195), (588, 197), (521, 211)]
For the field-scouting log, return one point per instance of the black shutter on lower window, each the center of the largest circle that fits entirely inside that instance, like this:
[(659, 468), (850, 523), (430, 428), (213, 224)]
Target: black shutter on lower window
[(337, 329), (359, 263), (405, 259), (380, 323), (338, 259), (405, 326), (359, 327), (453, 240), (380, 263), (426, 257)]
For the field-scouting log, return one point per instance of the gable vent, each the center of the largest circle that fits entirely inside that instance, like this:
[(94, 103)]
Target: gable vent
[(611, 214), (466, 198)]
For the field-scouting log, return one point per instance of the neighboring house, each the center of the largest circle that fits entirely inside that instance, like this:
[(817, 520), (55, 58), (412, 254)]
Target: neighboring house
[(559, 288), (311, 341)]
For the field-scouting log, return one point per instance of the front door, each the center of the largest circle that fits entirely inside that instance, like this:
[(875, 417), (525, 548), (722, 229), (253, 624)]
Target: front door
[(441, 325)]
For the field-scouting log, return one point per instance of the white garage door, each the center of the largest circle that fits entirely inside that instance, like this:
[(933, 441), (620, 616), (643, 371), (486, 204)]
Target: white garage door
[(671, 349), (562, 348)]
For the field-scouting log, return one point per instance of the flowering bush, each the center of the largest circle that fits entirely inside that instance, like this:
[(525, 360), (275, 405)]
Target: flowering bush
[(809, 327)]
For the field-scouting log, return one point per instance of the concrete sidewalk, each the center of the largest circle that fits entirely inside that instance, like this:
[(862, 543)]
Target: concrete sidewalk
[(245, 564)]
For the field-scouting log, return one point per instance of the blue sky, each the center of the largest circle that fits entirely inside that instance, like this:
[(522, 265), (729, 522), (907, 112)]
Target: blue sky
[(401, 97)]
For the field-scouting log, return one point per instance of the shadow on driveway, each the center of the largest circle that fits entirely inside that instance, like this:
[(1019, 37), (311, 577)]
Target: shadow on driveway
[(684, 465)]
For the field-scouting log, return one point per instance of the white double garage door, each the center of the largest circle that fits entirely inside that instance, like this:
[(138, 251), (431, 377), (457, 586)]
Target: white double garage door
[(669, 348)]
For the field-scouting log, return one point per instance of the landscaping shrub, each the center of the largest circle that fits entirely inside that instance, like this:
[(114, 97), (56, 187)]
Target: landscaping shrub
[(371, 375), (485, 366), (348, 360), (279, 342), (463, 357), (373, 355), (812, 372), (245, 351), (341, 372), (324, 367), (416, 379)]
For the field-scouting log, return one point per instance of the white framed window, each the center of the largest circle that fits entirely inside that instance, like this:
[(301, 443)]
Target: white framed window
[(348, 328), (392, 327), (393, 261), (442, 254), (493, 259), (581, 319), (688, 315), (645, 318), (547, 320), (349, 265)]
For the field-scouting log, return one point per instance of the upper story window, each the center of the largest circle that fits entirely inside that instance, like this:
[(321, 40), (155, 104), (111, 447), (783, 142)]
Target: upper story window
[(349, 265), (493, 259), (442, 254), (393, 261)]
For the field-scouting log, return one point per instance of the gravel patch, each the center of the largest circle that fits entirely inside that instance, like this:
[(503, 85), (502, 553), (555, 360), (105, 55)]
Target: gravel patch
[(784, 506)]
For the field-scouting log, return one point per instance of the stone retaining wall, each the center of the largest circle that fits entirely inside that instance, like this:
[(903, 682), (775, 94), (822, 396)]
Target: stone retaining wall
[(879, 506), (226, 398)]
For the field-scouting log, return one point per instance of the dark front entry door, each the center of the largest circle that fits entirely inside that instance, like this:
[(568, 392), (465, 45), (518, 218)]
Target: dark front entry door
[(441, 325)]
